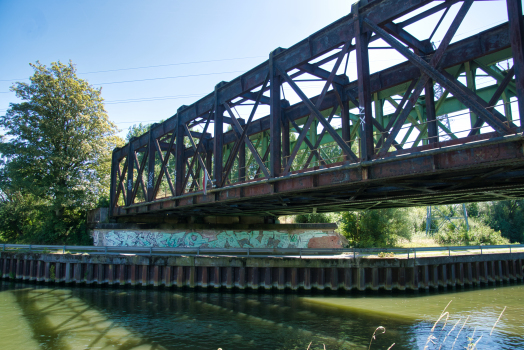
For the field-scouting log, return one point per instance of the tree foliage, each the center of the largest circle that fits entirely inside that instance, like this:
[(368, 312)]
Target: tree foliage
[(56, 152), (506, 217), (317, 218), (375, 228), (478, 234)]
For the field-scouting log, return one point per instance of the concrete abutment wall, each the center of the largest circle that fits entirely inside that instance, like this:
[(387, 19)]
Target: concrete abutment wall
[(264, 273)]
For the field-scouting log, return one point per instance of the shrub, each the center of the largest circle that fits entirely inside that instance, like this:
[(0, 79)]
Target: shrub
[(375, 228), (478, 234), (317, 218)]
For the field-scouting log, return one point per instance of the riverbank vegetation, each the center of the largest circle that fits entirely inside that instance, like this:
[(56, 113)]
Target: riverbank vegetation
[(55, 157), (488, 223)]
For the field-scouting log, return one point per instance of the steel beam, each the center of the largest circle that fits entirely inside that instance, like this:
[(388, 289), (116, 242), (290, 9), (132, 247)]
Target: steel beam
[(350, 182)]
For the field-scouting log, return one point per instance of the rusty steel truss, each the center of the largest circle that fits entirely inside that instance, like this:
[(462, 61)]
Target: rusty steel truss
[(445, 139)]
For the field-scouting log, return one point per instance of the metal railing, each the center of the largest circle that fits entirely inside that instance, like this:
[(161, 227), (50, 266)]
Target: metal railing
[(408, 253)]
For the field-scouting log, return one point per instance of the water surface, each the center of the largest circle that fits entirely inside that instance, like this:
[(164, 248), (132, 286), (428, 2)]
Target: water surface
[(44, 317)]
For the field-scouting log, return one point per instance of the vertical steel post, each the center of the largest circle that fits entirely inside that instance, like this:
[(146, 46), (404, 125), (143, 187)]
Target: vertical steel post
[(151, 165), (242, 157), (286, 149), (313, 133), (344, 115), (507, 106), (114, 182), (431, 118), (470, 82), (364, 91), (209, 166), (275, 119), (516, 35), (219, 138), (465, 216), (379, 108), (130, 171), (180, 161)]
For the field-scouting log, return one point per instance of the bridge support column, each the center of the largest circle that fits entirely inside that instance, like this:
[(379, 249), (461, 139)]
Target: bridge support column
[(470, 82), (367, 147), (275, 119), (151, 165), (344, 115), (180, 164), (431, 118), (114, 182), (219, 139), (242, 156), (130, 172)]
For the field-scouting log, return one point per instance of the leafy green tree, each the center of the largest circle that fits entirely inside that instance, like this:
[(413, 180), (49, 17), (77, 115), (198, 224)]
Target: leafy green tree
[(137, 130), (375, 228), (18, 214), (478, 234), (506, 217), (57, 149)]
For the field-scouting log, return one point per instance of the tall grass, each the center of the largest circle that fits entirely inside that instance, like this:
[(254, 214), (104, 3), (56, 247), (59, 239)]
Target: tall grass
[(436, 334)]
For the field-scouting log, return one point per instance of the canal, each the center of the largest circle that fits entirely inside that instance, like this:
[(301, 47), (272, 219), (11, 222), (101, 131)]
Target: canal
[(35, 316)]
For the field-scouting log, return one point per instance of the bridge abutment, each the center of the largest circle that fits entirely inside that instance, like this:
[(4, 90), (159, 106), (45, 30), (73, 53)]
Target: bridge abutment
[(217, 235)]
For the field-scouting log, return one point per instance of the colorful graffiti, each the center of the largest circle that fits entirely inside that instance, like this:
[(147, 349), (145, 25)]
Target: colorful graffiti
[(219, 239)]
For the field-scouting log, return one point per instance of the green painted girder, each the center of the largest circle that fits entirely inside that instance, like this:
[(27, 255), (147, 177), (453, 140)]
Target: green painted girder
[(417, 117)]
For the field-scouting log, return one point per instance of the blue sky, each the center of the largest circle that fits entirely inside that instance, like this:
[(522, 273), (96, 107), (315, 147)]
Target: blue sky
[(108, 40)]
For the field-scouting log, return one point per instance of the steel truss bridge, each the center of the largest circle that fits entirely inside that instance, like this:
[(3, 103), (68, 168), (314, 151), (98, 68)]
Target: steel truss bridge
[(442, 126)]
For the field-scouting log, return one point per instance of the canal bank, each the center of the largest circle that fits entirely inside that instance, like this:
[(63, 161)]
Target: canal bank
[(294, 273)]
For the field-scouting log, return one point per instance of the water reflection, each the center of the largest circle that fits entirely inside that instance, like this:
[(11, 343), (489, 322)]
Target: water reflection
[(58, 319), (103, 318)]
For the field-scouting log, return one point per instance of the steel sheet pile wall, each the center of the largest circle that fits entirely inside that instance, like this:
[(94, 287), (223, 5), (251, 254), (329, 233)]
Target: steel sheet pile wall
[(264, 273)]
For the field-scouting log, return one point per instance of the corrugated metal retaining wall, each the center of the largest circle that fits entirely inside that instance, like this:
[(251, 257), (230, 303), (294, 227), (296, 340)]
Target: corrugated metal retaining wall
[(264, 273)]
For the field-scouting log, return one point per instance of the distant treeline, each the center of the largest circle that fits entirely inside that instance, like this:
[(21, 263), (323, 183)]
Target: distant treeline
[(488, 223)]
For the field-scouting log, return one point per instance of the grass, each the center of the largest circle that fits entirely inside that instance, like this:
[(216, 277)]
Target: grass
[(438, 337), (418, 240)]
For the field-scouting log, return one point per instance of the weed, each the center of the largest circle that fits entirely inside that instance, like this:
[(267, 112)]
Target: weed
[(434, 337), (386, 255), (52, 272), (12, 275), (472, 343), (380, 328)]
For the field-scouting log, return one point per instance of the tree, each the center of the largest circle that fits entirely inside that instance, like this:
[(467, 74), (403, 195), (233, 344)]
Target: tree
[(375, 228), (506, 217), (58, 145), (137, 130)]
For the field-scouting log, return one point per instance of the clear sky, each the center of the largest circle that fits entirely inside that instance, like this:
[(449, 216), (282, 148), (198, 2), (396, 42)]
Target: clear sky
[(210, 41)]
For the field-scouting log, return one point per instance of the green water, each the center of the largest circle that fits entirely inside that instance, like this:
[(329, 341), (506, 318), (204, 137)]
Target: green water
[(43, 317)]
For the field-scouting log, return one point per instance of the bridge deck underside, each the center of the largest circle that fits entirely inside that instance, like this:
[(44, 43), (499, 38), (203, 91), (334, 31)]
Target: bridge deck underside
[(441, 127), (491, 172)]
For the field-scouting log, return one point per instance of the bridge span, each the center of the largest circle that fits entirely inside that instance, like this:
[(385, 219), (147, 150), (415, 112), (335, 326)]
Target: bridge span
[(441, 125)]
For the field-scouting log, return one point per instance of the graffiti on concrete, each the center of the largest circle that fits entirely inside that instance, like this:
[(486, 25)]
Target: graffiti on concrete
[(218, 239)]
